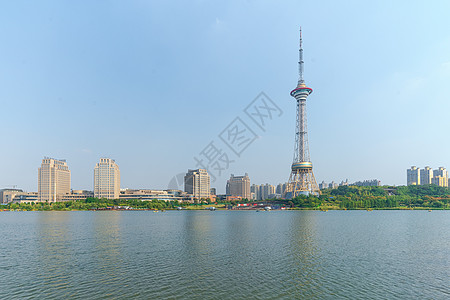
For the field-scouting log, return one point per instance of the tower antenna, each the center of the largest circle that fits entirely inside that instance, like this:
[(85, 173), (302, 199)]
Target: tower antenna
[(300, 60)]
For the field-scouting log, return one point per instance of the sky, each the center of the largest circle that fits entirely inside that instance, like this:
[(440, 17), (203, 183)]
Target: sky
[(152, 84)]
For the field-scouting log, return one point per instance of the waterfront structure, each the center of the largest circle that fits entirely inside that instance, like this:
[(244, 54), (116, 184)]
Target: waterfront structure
[(148, 195), (197, 183), (76, 195), (7, 195), (107, 179), (25, 197), (239, 186), (413, 176), (426, 174), (301, 180), (53, 180)]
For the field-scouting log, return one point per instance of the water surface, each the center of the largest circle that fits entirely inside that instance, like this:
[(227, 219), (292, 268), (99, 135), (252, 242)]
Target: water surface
[(225, 255)]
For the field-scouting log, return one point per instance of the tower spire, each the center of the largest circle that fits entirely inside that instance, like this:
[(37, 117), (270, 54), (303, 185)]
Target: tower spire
[(300, 61)]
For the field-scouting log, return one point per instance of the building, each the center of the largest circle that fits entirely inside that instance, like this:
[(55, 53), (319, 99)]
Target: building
[(76, 195), (440, 181), (373, 182), (301, 180), (266, 190), (197, 183), (107, 179), (442, 176), (239, 186), (344, 183), (53, 180), (255, 190), (323, 185), (213, 191), (7, 195), (147, 195), (26, 197), (413, 176), (426, 174), (333, 185)]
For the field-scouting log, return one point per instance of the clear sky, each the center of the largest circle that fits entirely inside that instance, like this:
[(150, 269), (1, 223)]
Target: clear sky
[(152, 83)]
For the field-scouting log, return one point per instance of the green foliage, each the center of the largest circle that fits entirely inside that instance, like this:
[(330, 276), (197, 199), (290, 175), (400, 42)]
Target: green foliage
[(93, 203), (375, 197)]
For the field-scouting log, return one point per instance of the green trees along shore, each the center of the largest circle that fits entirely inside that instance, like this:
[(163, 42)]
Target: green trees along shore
[(344, 197), (374, 197)]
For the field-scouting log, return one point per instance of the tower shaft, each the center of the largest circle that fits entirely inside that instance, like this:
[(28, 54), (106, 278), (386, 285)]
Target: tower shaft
[(301, 180)]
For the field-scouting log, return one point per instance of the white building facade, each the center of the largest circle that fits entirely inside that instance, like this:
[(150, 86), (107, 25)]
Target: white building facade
[(53, 180), (239, 186), (197, 183), (107, 179)]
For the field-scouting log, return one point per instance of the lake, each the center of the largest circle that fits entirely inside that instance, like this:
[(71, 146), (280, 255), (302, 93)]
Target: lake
[(225, 255)]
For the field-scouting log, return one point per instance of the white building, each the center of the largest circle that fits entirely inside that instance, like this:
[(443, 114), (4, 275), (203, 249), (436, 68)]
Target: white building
[(53, 180), (106, 179), (197, 183)]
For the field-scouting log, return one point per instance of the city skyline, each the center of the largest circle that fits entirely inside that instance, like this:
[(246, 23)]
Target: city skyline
[(115, 69)]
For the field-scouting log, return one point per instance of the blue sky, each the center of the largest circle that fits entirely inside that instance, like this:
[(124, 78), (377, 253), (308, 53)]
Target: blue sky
[(152, 83)]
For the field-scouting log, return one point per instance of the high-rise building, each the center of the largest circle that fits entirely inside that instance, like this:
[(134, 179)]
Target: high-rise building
[(442, 177), (239, 186), (53, 180), (107, 179), (413, 176), (301, 180), (333, 185), (323, 185), (426, 174), (197, 183), (279, 189), (267, 190), (255, 189)]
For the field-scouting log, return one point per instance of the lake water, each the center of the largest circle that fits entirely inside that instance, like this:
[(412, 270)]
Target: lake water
[(225, 255)]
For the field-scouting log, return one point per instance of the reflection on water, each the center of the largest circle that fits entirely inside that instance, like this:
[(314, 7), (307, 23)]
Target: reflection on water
[(225, 255), (54, 255)]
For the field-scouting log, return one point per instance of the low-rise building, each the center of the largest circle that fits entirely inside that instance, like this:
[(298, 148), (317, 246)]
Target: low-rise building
[(147, 195), (7, 195), (78, 195), (26, 197)]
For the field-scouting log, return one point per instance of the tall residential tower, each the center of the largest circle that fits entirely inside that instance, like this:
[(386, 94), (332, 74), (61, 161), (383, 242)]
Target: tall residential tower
[(301, 180)]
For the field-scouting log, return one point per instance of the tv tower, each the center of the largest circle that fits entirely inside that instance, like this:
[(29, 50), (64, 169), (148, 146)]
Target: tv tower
[(301, 181)]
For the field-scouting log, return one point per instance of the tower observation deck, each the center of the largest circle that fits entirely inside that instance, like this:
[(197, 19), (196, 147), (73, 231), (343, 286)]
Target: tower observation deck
[(301, 180)]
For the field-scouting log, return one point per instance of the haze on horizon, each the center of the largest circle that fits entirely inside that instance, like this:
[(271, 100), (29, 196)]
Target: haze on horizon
[(151, 84)]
